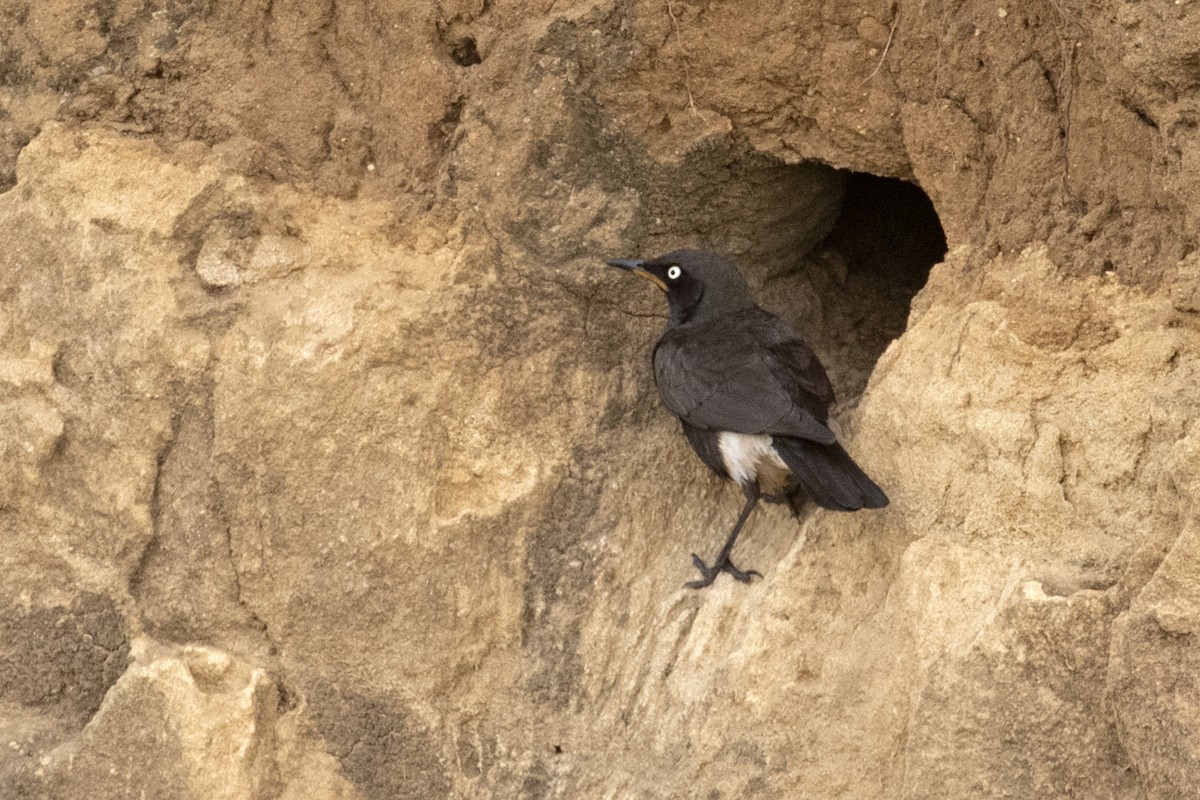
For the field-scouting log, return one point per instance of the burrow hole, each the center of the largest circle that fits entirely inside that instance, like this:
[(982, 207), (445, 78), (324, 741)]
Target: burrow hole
[(839, 255), (465, 52), (876, 258)]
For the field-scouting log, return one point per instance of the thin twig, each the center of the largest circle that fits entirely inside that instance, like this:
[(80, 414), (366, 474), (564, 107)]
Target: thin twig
[(886, 47), (687, 76)]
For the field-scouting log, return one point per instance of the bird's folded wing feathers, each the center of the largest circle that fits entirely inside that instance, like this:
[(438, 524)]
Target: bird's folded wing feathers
[(750, 377), (800, 372)]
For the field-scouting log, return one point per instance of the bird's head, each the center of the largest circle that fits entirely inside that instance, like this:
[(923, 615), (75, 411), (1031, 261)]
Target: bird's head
[(698, 284)]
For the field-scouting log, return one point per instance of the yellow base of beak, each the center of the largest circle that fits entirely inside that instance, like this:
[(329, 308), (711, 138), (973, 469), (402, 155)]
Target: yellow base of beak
[(650, 276)]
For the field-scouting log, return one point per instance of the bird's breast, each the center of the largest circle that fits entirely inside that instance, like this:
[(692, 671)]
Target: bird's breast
[(751, 457)]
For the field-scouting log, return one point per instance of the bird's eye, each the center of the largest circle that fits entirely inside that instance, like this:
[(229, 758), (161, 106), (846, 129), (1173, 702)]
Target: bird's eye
[(674, 272)]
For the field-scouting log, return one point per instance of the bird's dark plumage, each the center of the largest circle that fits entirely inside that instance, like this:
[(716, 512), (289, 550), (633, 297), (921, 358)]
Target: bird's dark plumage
[(752, 396), (743, 372)]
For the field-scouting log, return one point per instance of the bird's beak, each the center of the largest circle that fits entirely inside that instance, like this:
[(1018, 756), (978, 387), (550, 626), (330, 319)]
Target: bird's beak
[(637, 267)]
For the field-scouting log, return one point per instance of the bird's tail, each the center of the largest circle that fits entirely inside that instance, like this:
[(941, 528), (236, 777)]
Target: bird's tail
[(828, 475)]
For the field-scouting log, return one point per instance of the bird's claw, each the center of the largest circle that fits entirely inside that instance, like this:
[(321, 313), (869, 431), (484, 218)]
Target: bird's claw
[(710, 573)]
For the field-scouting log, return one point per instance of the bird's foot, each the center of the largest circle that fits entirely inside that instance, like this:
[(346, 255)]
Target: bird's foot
[(710, 573)]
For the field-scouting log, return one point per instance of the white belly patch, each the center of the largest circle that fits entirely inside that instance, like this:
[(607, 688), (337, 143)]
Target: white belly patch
[(748, 455)]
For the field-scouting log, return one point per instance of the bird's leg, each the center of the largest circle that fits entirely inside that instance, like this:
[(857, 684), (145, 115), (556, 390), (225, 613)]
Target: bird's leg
[(722, 562)]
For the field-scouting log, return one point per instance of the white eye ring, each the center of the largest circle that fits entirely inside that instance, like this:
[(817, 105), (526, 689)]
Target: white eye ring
[(674, 272)]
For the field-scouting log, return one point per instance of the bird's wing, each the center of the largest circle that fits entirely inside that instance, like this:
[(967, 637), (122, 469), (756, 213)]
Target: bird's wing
[(746, 374), (800, 372)]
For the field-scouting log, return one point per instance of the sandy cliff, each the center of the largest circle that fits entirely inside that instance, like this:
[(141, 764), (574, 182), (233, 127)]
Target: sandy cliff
[(332, 464)]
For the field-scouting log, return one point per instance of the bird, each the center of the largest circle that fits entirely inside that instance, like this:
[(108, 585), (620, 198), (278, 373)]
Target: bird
[(752, 397)]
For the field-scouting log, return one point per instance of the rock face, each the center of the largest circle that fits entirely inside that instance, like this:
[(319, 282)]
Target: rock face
[(332, 464)]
